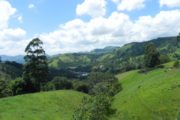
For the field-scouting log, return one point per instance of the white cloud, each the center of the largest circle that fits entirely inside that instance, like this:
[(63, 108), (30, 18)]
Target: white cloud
[(30, 6), (94, 8), (165, 23), (117, 29), (170, 3), (129, 5), (78, 35), (6, 11), (12, 40)]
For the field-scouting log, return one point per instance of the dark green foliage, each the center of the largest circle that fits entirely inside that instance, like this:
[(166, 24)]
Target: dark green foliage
[(12, 69), (62, 83), (103, 83), (5, 89), (8, 72), (103, 86), (106, 88), (164, 59), (17, 86), (94, 108), (35, 69), (82, 88), (151, 56), (49, 87), (176, 64)]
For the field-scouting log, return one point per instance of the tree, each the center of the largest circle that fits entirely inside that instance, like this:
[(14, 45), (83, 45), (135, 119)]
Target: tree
[(62, 83), (176, 64), (17, 86), (4, 85), (35, 72), (94, 108), (151, 57), (164, 58)]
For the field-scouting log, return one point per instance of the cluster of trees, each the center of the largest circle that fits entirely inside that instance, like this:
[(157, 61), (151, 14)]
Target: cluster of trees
[(35, 72), (151, 56), (35, 76), (103, 86)]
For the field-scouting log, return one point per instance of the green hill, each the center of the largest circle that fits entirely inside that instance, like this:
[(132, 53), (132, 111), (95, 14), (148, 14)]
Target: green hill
[(145, 96), (11, 69), (57, 105), (116, 59), (149, 96)]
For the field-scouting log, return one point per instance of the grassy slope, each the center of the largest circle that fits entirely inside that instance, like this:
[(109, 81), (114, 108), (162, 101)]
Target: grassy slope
[(57, 105), (151, 96)]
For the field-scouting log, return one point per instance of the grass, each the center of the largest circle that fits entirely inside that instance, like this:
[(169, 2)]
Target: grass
[(57, 105), (145, 96), (151, 96)]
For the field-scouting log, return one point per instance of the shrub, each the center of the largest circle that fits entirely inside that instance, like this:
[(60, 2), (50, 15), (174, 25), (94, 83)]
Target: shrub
[(94, 108), (164, 59), (17, 86), (62, 83), (5, 89), (176, 64), (82, 88), (49, 87)]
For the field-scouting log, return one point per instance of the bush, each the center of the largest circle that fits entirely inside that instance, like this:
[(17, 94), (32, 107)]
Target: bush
[(49, 87), (17, 86), (5, 89), (82, 88), (94, 108), (164, 59), (176, 64), (62, 83), (103, 83)]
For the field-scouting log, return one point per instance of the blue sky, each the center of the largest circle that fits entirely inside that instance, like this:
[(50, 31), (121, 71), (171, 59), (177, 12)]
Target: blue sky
[(82, 25), (47, 15)]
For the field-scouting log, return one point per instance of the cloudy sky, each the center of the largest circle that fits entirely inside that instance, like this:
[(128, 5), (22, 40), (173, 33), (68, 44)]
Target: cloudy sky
[(82, 25)]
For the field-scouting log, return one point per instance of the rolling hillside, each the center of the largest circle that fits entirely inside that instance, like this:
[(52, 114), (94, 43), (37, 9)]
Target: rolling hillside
[(57, 105), (145, 96), (151, 96), (12, 69), (117, 59)]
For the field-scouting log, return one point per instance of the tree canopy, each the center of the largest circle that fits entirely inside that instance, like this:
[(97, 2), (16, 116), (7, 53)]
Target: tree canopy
[(36, 67), (151, 57)]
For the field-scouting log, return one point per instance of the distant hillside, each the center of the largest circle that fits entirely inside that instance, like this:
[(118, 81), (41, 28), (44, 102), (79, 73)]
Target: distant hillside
[(18, 59), (10, 69), (104, 50), (57, 105), (116, 59), (150, 96)]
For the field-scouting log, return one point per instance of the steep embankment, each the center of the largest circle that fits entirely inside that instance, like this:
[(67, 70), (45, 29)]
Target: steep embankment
[(57, 105), (151, 96)]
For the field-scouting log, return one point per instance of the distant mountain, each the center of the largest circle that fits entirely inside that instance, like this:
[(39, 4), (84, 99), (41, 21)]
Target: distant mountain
[(18, 58), (114, 59), (105, 50)]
